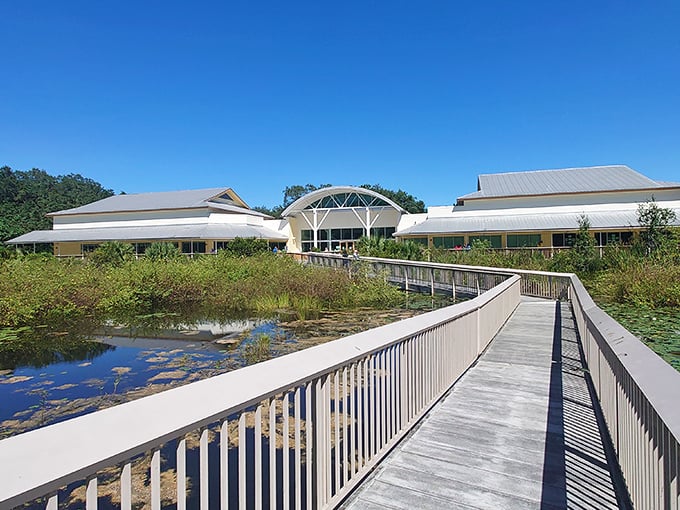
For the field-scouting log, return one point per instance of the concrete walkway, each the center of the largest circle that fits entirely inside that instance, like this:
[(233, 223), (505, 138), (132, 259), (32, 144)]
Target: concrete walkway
[(518, 431)]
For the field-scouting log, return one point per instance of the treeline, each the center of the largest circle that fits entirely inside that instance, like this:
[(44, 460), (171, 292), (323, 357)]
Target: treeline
[(27, 196)]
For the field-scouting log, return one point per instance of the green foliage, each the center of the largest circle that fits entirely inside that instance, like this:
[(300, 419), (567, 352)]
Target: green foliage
[(58, 293), (26, 197), (404, 199), (112, 253), (8, 252), (389, 248), (296, 191), (257, 349), (585, 258), (656, 221), (246, 247), (162, 251)]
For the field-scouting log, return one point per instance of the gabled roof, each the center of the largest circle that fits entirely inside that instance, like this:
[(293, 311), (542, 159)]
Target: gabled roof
[(566, 180), (308, 199), (187, 199)]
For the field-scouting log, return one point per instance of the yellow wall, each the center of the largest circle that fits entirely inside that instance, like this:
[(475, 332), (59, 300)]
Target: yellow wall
[(67, 249)]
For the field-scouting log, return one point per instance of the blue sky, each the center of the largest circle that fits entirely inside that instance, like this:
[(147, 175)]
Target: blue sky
[(423, 96)]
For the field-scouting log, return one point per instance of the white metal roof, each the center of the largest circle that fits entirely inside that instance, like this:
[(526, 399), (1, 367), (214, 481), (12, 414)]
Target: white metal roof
[(537, 221), (186, 199), (162, 232), (566, 180), (302, 202)]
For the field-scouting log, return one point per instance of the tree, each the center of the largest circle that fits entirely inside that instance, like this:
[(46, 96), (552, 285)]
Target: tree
[(27, 196), (292, 193), (407, 201), (585, 258), (656, 222), (404, 199)]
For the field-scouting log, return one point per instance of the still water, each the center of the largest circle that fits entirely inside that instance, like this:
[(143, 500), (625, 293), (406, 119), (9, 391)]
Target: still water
[(48, 379)]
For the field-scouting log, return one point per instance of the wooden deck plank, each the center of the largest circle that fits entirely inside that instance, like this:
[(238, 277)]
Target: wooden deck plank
[(518, 430)]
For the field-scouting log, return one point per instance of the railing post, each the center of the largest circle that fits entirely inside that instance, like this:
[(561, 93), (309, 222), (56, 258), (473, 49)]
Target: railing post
[(432, 282)]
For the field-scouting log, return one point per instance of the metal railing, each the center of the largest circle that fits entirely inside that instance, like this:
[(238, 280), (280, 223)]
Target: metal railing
[(639, 396), (299, 431), (639, 392), (450, 278)]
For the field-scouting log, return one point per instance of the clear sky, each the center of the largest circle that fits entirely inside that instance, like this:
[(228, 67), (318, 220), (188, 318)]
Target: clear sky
[(423, 96)]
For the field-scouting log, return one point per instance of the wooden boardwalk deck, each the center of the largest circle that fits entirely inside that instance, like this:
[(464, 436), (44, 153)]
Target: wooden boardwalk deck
[(518, 431)]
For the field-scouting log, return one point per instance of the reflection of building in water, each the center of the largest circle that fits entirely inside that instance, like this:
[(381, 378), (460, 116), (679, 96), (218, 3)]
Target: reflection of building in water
[(150, 338)]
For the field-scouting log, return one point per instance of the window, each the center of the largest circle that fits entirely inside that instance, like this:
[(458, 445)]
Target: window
[(494, 241), (418, 240), (385, 232), (605, 238), (89, 248), (193, 247), (559, 240), (448, 242), (523, 240), (140, 248)]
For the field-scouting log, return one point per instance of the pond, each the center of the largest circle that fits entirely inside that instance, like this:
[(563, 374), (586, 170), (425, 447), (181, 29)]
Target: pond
[(658, 328), (47, 378)]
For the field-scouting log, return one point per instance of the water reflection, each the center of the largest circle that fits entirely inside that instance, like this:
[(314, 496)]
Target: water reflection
[(47, 377)]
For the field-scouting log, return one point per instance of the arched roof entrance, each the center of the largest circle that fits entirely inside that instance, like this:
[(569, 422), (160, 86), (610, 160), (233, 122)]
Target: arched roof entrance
[(324, 211)]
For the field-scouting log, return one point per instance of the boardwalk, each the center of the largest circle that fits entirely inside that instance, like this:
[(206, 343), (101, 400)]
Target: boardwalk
[(518, 431)]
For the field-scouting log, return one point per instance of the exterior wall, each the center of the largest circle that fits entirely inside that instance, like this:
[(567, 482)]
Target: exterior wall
[(546, 238), (67, 249), (235, 218), (132, 219), (575, 199)]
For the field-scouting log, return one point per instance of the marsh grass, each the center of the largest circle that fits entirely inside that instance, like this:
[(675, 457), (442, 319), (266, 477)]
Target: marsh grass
[(67, 294)]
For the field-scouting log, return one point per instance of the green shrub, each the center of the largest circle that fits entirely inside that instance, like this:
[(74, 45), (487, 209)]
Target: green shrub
[(246, 246), (162, 251), (112, 253)]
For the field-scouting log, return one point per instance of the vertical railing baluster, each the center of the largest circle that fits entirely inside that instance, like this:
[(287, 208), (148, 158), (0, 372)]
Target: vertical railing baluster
[(272, 454), (285, 413), (335, 445), (91, 494), (242, 474), (156, 480), (366, 434), (204, 466), (345, 429), (309, 440), (359, 418), (224, 466), (258, 457), (181, 486), (298, 451), (125, 487), (382, 374), (52, 502)]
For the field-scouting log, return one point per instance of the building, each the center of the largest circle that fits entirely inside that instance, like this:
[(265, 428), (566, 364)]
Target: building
[(541, 209), (336, 217), (196, 221), (536, 209)]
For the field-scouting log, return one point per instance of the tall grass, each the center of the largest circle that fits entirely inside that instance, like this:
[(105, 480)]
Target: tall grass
[(60, 293)]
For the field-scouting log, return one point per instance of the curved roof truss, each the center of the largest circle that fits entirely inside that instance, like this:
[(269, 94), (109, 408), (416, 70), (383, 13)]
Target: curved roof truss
[(340, 197)]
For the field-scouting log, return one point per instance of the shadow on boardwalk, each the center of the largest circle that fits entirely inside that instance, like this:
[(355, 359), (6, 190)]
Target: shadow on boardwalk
[(520, 430)]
